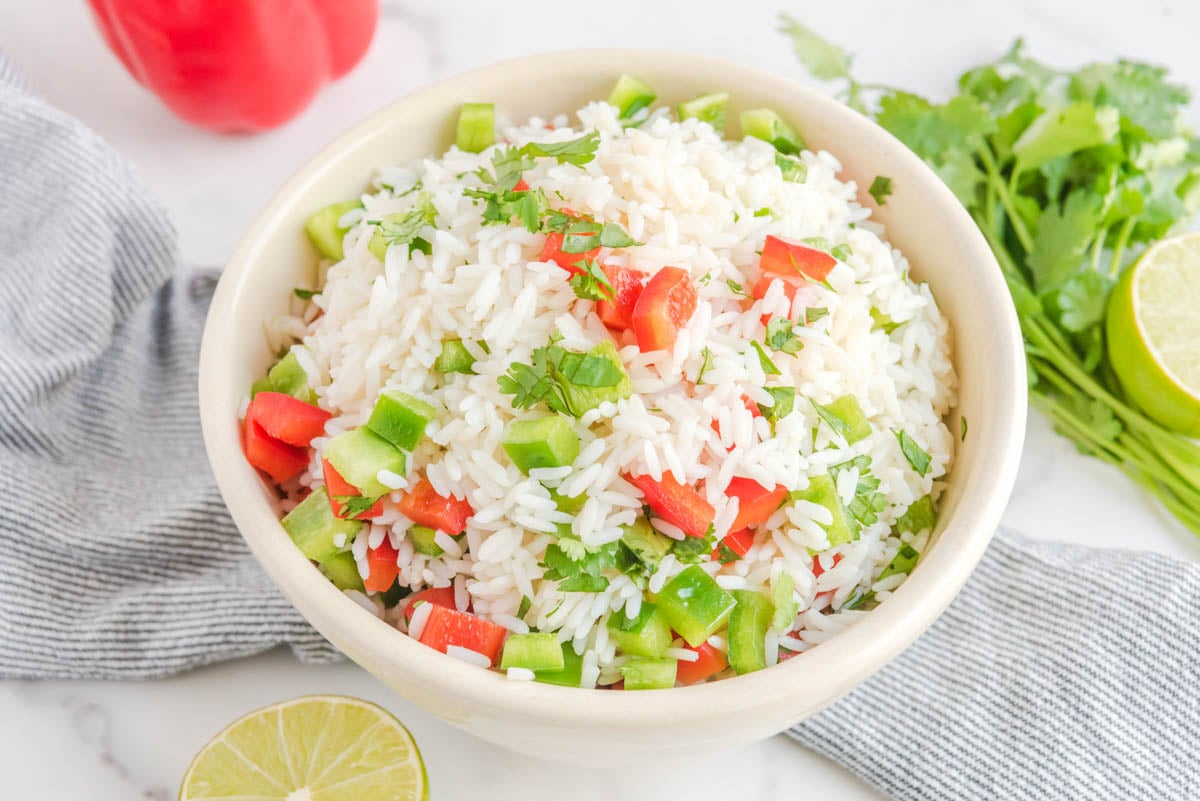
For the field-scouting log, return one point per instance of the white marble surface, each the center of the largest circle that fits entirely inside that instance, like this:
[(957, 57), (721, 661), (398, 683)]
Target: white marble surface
[(108, 741)]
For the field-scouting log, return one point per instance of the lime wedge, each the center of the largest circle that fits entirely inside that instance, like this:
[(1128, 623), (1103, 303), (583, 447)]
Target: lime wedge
[(315, 748), (1153, 327)]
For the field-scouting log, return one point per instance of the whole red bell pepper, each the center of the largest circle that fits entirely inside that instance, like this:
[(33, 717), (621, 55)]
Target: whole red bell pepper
[(237, 65)]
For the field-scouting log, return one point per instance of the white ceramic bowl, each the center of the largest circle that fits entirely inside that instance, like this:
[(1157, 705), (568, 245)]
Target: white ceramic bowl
[(923, 219)]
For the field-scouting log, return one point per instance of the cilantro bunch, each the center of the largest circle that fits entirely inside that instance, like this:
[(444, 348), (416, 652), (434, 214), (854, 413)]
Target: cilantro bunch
[(1069, 175)]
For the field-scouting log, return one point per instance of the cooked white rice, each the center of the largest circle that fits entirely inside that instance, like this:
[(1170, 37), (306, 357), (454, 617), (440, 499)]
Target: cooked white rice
[(691, 198)]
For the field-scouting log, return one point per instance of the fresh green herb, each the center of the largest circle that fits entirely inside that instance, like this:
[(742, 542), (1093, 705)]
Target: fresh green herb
[(841, 252), (574, 151), (882, 321), (916, 457), (963, 426), (704, 279), (706, 364), (614, 236), (526, 605), (406, 229), (814, 313), (577, 567), (305, 294), (781, 336), (735, 287), (725, 554), (353, 505), (552, 372), (840, 426), (903, 562), (880, 188), (768, 366), (825, 60), (591, 283), (1068, 174), (785, 403), (793, 169), (919, 516), (868, 501), (690, 550), (764, 212), (859, 600), (503, 203), (818, 242)]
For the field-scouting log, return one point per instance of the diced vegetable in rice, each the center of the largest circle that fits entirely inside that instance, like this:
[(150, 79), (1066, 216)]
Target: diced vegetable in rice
[(612, 401)]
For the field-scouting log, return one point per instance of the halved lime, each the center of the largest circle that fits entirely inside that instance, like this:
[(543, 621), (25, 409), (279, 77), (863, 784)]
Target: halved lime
[(1153, 327), (315, 748)]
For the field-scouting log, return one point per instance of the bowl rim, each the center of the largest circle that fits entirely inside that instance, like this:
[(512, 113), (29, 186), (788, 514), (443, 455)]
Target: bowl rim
[(822, 673)]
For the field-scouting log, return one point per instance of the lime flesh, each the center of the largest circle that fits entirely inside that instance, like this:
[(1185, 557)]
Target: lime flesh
[(315, 748), (1153, 329)]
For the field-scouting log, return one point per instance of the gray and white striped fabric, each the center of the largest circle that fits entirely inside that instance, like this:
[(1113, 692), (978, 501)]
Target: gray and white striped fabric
[(117, 557), (1059, 672)]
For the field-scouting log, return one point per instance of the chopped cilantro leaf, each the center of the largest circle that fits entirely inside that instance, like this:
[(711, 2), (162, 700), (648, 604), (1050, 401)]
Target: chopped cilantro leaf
[(305, 294), (785, 403), (706, 364), (763, 212), (735, 287), (916, 457), (841, 252), (880, 188), (691, 550), (792, 168), (591, 283), (781, 336), (814, 313), (353, 505), (818, 242), (768, 366), (574, 151)]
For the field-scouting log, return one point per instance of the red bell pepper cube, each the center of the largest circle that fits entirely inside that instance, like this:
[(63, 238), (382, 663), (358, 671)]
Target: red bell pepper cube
[(755, 503), (336, 486), (710, 663), (288, 419), (445, 627), (278, 460), (666, 304), (383, 567), (425, 507), (676, 503), (552, 250), (627, 288), (438, 596), (789, 258)]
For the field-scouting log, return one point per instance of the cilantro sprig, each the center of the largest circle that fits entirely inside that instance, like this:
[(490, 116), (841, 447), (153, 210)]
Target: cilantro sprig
[(551, 373), (1069, 174)]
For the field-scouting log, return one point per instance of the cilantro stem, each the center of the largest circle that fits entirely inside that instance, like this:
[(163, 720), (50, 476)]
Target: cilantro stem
[(1098, 249), (997, 181), (1114, 269)]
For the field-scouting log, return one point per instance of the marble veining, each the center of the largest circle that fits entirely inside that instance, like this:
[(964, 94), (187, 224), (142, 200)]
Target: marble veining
[(107, 741)]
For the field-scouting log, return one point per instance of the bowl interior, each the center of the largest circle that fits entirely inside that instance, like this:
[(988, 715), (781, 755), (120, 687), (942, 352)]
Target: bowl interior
[(923, 219)]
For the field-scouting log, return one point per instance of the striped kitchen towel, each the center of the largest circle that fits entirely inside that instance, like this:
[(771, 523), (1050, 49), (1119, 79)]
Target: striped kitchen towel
[(1058, 673), (118, 559)]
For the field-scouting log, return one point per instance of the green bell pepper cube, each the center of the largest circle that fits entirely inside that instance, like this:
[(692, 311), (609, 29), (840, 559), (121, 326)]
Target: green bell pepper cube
[(401, 419), (359, 455), (313, 527), (644, 673), (694, 605), (648, 634), (748, 631), (548, 441), (537, 651)]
